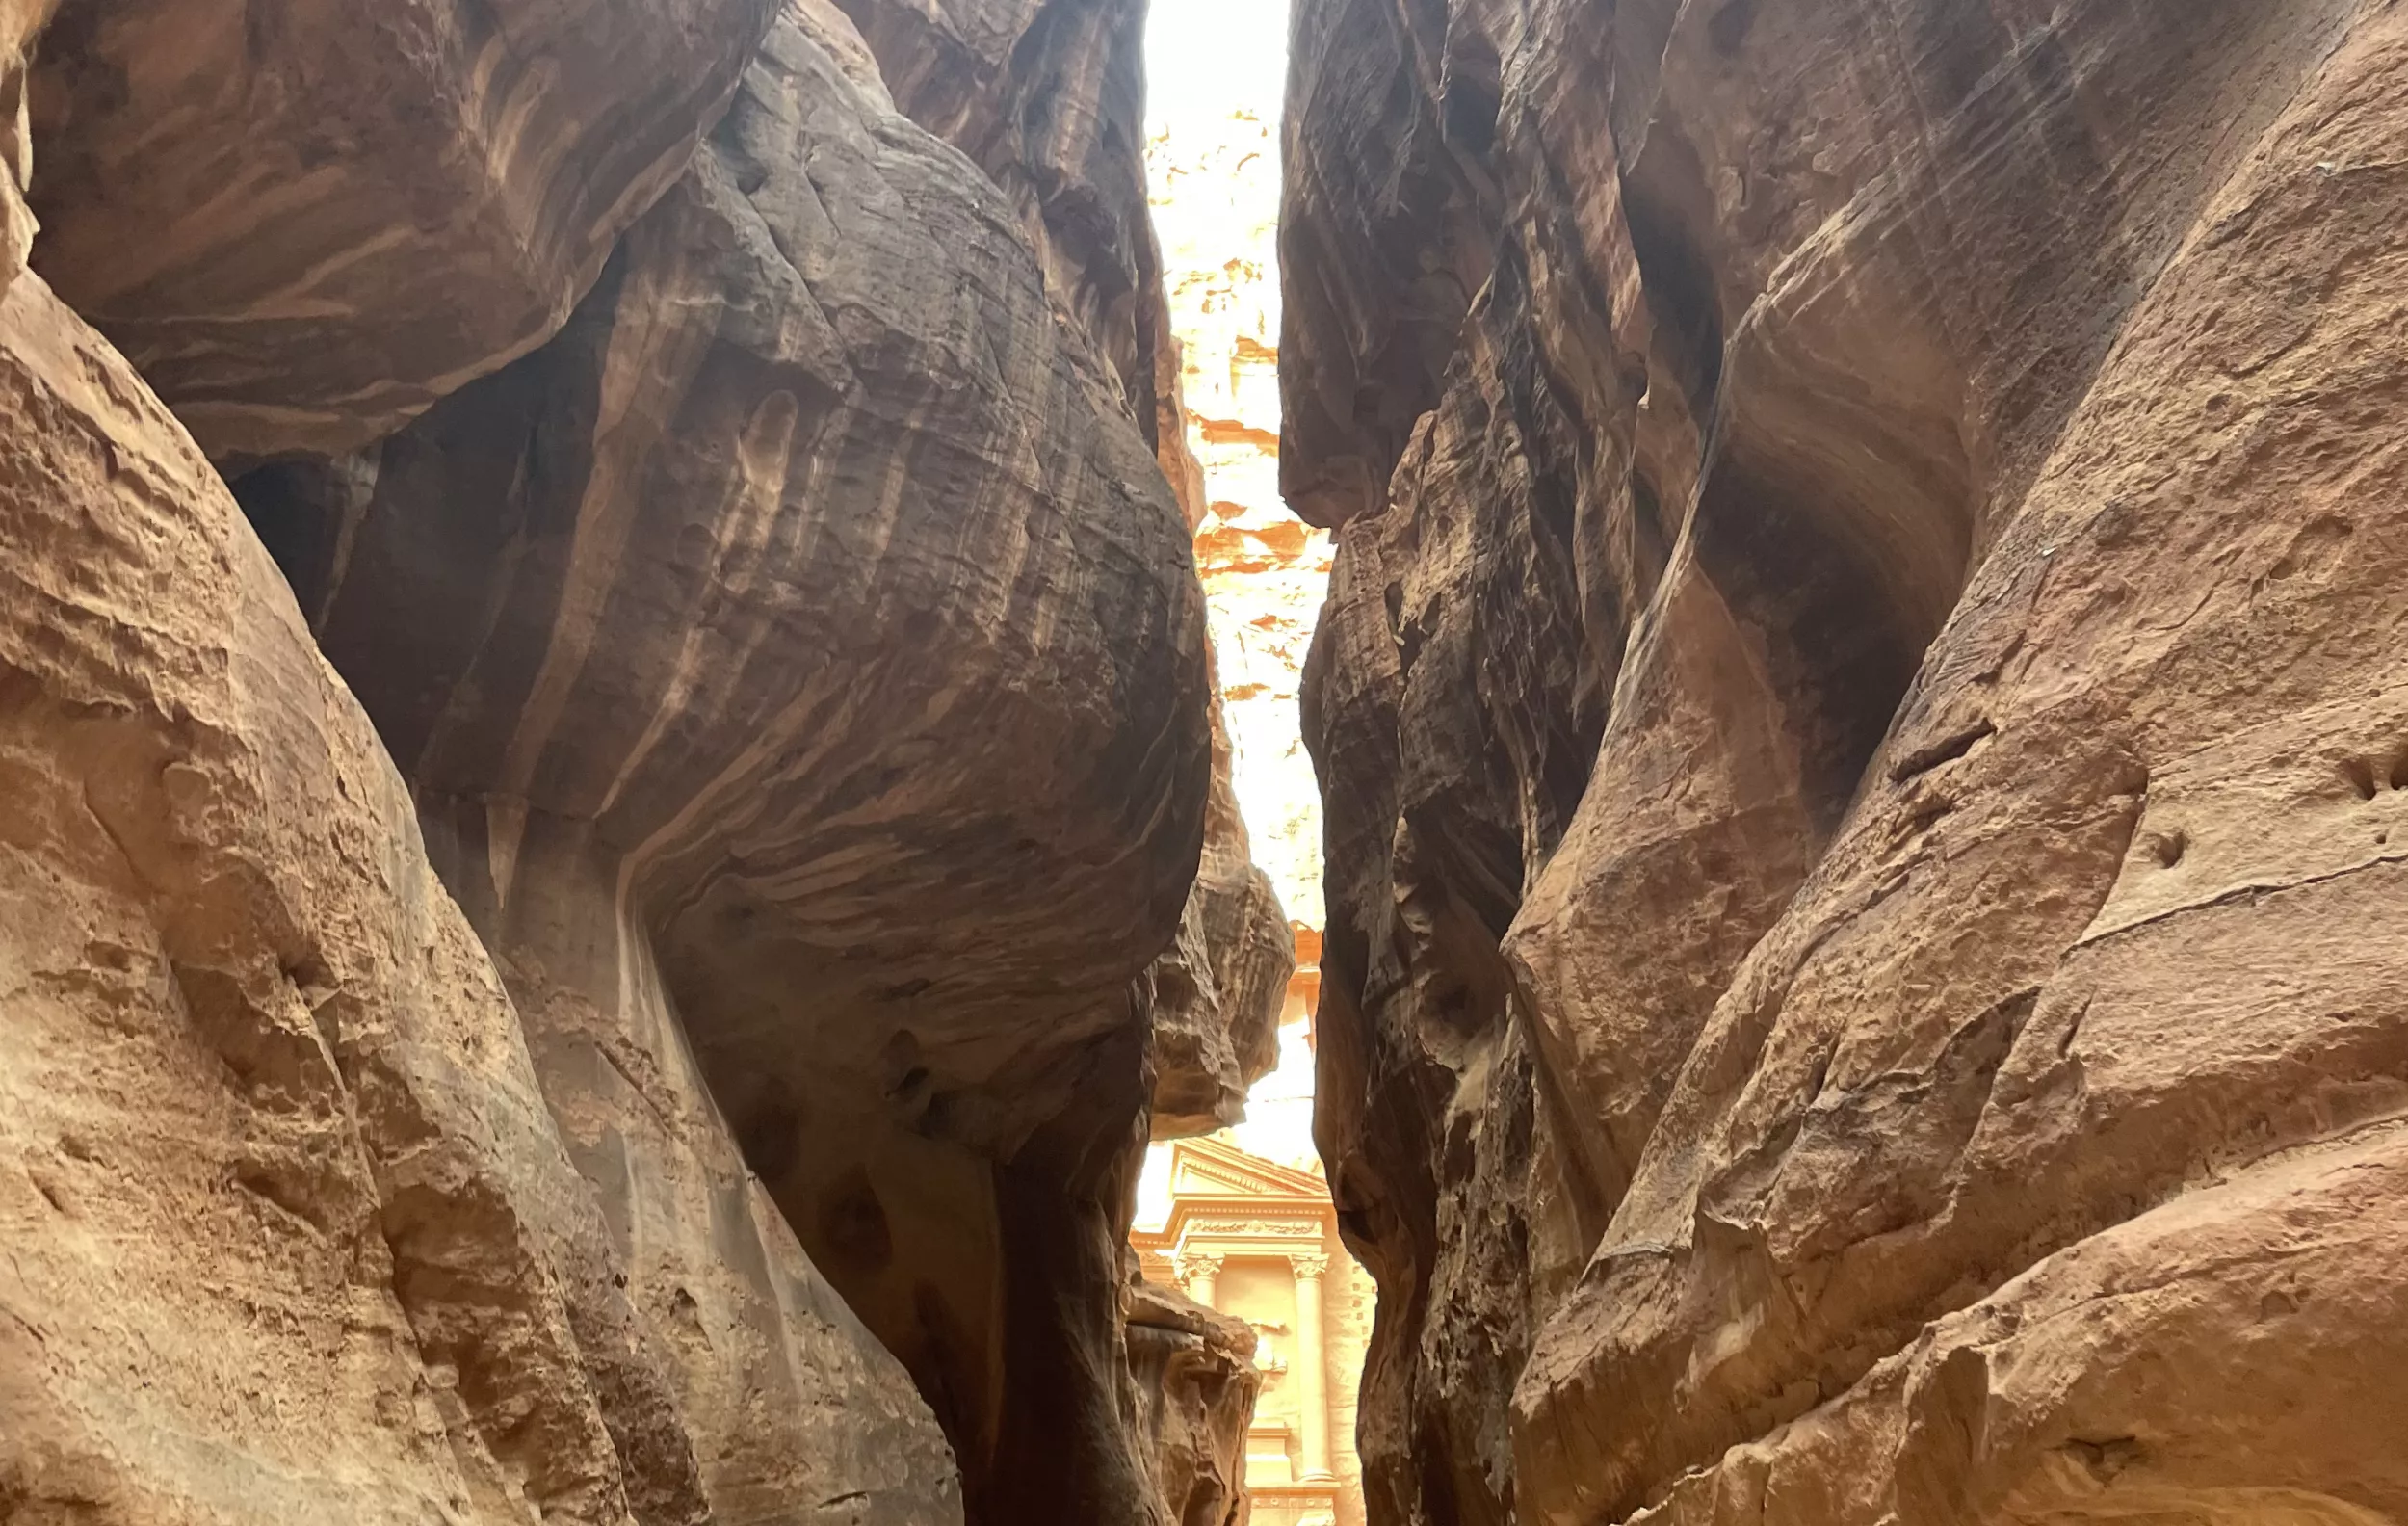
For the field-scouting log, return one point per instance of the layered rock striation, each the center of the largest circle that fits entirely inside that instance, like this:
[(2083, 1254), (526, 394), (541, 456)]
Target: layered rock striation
[(305, 224), (292, 1232), (1048, 97), (622, 986), (1861, 740)]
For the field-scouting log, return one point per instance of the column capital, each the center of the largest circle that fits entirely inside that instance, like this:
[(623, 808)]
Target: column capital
[(1192, 1264), (1307, 1266)]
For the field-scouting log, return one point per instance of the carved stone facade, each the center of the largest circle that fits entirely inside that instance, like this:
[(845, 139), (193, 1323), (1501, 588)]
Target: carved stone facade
[(1258, 1240)]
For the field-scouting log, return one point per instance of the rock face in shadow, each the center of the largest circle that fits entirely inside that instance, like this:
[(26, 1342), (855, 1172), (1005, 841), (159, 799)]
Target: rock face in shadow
[(1048, 97), (1220, 990), (815, 670), (1863, 752), (306, 221)]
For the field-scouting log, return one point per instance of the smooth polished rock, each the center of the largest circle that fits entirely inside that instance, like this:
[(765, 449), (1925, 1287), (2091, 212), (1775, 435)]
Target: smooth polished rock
[(291, 1232)]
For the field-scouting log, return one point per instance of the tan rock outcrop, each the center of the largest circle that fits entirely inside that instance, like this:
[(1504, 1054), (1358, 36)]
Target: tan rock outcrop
[(796, 671), (306, 221), (1860, 745), (21, 22), (1197, 1384), (799, 662), (290, 1233)]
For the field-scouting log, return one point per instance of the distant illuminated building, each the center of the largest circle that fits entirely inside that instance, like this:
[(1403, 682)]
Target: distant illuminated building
[(1259, 1240)]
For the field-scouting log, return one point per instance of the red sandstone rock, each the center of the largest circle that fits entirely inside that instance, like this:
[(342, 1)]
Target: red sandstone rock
[(1195, 1385), (795, 665), (1861, 738), (290, 1233), (1048, 97), (822, 716), (1220, 989)]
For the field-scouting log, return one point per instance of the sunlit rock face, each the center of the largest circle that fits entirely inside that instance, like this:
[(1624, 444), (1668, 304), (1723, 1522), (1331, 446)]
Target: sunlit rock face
[(21, 22), (1216, 194), (1221, 992), (1860, 731), (1213, 172)]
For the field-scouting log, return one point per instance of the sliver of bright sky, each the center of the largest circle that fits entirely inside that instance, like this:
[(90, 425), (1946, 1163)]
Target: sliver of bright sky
[(1205, 58)]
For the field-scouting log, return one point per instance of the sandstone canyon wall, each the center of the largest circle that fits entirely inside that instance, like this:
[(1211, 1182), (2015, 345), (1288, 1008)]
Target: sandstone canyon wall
[(1861, 718), (1049, 99), (620, 987)]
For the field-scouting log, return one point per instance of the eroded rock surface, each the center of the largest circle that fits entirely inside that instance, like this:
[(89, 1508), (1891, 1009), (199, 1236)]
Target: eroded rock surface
[(821, 662), (1220, 989), (1197, 1384), (291, 1233), (306, 221), (1048, 97), (1863, 747), (746, 948)]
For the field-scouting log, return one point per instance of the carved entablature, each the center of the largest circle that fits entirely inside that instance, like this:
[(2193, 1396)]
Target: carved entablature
[(1253, 1228), (1229, 1206)]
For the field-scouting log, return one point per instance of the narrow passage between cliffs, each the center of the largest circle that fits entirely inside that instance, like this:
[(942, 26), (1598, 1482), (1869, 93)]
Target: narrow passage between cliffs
[(1239, 1219)]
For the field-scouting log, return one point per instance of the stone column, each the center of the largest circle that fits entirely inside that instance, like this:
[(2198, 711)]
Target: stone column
[(1198, 1273), (1312, 1363)]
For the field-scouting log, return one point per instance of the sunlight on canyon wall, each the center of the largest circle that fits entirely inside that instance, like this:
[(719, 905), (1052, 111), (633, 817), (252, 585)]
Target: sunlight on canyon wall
[(1215, 77)]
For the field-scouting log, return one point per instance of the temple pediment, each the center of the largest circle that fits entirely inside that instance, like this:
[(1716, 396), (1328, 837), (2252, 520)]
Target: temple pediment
[(1210, 1167)]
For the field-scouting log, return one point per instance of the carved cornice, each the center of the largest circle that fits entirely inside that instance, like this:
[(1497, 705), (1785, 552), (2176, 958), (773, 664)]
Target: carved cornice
[(1206, 1166)]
